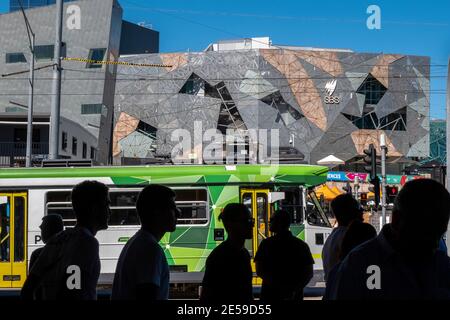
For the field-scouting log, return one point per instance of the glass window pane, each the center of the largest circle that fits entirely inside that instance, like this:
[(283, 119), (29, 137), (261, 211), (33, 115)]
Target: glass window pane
[(97, 55), (292, 203), (262, 219), (191, 195), (44, 53), (123, 198), (16, 57), (123, 217), (192, 213), (19, 229), (5, 214), (59, 196), (65, 211), (95, 108), (74, 146)]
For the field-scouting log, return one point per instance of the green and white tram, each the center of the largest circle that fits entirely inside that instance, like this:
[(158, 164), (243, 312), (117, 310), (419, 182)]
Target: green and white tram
[(26, 195)]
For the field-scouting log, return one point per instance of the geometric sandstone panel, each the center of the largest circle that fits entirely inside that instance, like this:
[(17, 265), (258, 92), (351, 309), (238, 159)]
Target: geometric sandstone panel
[(175, 60), (300, 83), (326, 60), (363, 138), (381, 70), (125, 126)]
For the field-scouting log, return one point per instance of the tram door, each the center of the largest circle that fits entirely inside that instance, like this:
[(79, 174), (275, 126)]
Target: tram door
[(13, 239), (257, 201)]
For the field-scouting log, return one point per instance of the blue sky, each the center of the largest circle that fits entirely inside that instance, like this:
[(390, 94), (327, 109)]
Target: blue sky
[(408, 27)]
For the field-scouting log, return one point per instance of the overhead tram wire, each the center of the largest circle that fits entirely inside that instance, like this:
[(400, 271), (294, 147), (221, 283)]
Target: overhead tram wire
[(242, 37)]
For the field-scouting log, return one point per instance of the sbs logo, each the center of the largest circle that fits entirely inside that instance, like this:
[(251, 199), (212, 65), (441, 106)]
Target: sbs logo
[(330, 87)]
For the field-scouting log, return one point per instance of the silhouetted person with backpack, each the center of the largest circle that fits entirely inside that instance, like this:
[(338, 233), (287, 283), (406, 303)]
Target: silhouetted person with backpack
[(228, 271), (68, 266), (357, 233), (346, 209), (283, 261), (403, 261), (142, 271), (51, 225)]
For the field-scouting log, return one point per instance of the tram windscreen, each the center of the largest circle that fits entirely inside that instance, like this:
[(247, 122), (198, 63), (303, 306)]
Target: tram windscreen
[(314, 212)]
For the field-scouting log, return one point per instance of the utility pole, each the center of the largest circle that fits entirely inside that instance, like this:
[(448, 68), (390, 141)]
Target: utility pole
[(31, 39), (383, 177), (56, 89), (356, 187), (448, 141)]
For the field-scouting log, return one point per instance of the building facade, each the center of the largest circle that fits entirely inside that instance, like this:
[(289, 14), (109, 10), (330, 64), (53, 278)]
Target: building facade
[(87, 97), (321, 101)]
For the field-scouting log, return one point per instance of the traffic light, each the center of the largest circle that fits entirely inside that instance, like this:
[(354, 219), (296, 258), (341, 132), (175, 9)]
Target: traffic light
[(363, 198), (375, 188), (371, 161), (371, 168), (391, 193)]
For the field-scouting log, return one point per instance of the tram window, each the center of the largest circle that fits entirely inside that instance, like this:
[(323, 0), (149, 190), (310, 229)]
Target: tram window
[(65, 211), (123, 217), (4, 229), (19, 229), (314, 212), (123, 198), (59, 196), (193, 204), (191, 195), (192, 213), (292, 203)]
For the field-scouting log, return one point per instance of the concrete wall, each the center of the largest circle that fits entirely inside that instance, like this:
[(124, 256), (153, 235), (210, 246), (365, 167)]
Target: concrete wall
[(100, 28)]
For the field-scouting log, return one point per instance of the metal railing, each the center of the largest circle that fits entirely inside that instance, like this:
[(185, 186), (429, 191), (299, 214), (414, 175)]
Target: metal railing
[(12, 154)]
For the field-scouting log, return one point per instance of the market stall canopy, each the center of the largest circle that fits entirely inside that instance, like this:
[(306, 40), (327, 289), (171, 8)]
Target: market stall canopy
[(330, 160), (327, 193), (336, 190)]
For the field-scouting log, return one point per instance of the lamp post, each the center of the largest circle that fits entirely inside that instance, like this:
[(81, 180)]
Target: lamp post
[(31, 39), (56, 89), (383, 177)]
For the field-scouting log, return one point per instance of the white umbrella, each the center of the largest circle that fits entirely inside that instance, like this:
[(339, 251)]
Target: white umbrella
[(330, 160)]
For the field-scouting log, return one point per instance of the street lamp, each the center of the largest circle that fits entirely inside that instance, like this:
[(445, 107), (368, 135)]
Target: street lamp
[(384, 151)]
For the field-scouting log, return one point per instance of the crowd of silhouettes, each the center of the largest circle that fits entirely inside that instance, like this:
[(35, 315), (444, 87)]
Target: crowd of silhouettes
[(408, 253)]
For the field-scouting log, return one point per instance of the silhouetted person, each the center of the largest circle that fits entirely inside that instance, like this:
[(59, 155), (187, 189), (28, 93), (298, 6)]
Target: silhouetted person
[(142, 270), (283, 261), (443, 245), (403, 261), (68, 267), (346, 209), (228, 272), (51, 225), (357, 233)]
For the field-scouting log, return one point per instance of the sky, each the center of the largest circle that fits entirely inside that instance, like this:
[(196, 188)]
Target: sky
[(407, 27)]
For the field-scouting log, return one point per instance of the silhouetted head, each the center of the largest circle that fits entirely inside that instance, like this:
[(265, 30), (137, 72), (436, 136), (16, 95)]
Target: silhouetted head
[(51, 225), (420, 216), (346, 209), (280, 221), (157, 209), (358, 232), (90, 202), (238, 221)]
